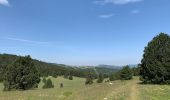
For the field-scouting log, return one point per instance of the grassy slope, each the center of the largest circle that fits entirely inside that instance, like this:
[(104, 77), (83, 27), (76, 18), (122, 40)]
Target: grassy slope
[(76, 90)]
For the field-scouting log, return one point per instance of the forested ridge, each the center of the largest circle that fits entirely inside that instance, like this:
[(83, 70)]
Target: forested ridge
[(52, 69)]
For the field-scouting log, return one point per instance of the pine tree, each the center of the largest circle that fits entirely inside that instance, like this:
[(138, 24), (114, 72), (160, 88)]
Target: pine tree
[(155, 65), (21, 75)]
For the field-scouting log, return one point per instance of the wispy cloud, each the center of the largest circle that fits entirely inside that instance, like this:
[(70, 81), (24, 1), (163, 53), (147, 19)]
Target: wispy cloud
[(4, 2), (27, 41), (135, 11), (116, 2), (106, 16)]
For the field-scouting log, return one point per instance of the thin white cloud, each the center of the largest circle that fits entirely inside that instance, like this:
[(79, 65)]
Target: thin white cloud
[(27, 41), (116, 2), (135, 11), (4, 2), (106, 16)]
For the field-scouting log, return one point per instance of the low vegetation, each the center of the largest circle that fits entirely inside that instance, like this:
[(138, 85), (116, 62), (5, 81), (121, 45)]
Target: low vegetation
[(76, 90)]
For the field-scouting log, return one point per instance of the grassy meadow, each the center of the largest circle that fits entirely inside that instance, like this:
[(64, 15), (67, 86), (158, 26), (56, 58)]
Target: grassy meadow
[(76, 90)]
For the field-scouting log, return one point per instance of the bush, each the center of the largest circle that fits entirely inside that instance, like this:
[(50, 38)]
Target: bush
[(155, 65), (70, 77), (89, 79), (126, 73), (114, 76), (48, 84), (21, 75), (100, 78)]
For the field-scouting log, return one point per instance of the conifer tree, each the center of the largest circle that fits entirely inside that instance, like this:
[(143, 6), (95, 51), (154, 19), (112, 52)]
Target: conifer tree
[(21, 75), (155, 65)]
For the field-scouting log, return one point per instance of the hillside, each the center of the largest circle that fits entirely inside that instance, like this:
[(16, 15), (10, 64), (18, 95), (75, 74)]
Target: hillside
[(52, 69)]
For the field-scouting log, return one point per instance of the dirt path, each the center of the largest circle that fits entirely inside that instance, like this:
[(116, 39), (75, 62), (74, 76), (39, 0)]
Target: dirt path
[(128, 91), (134, 91)]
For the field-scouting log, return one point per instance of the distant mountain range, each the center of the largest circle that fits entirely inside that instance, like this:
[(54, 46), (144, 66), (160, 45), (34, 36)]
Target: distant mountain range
[(116, 67), (110, 66)]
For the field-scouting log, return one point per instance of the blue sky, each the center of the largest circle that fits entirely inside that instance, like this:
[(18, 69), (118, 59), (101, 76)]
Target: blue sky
[(82, 32)]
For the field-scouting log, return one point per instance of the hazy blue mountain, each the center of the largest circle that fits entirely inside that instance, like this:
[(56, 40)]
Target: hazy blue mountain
[(110, 66)]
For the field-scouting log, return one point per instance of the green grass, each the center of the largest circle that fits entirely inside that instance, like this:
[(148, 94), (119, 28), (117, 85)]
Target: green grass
[(76, 90)]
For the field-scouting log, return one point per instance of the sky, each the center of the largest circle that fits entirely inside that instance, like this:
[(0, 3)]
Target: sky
[(82, 32)]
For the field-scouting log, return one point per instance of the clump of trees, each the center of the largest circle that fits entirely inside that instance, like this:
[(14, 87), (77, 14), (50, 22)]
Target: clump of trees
[(21, 75), (47, 83), (100, 78), (124, 74), (155, 65)]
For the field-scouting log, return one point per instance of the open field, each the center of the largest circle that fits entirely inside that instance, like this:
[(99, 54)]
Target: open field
[(76, 90)]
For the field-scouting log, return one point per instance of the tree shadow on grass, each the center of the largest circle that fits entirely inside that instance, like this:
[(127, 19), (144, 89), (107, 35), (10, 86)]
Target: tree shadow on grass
[(143, 83)]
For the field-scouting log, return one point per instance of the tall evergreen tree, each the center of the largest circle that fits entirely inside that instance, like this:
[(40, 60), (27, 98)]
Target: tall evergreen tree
[(21, 75), (155, 65)]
